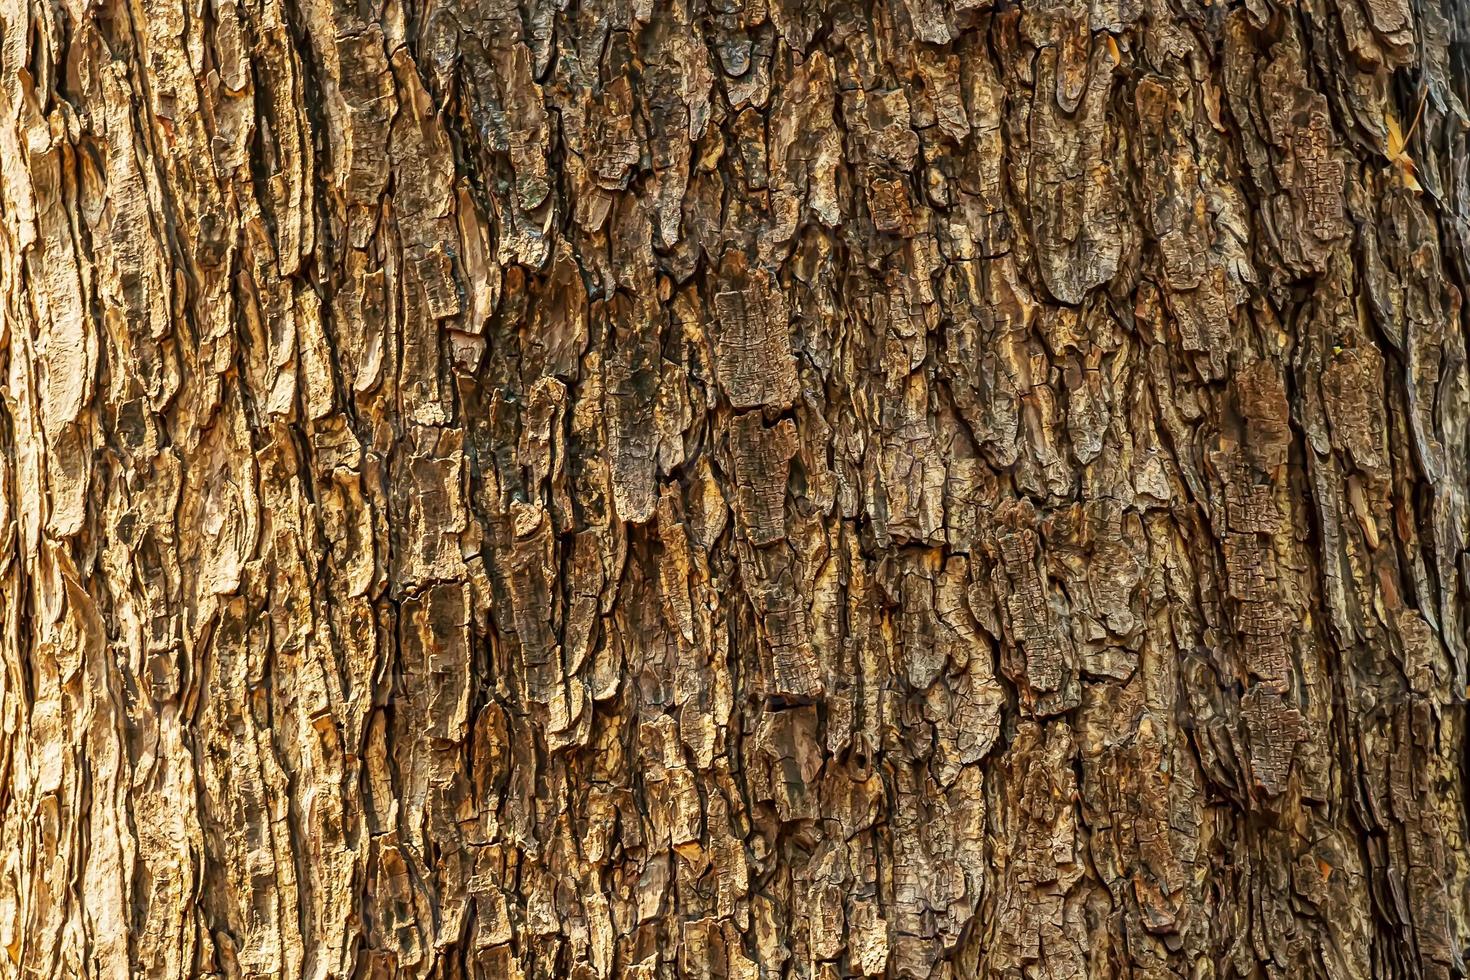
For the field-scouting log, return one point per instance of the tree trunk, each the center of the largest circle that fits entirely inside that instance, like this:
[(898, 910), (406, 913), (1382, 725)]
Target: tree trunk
[(734, 488)]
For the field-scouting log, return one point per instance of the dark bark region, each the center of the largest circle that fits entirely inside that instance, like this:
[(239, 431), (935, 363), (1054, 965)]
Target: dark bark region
[(734, 488)]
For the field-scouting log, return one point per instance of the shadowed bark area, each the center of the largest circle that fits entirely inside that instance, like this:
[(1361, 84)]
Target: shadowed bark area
[(734, 489)]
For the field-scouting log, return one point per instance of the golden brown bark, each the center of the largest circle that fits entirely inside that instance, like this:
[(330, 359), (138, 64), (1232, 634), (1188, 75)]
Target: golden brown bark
[(734, 488)]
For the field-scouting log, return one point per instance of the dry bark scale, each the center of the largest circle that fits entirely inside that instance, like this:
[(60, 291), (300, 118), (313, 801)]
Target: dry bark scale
[(734, 488)]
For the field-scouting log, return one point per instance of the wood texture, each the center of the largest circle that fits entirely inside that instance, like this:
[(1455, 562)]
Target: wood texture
[(734, 489)]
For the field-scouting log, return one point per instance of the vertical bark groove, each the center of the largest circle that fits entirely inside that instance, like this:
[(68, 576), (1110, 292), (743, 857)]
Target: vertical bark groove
[(734, 489)]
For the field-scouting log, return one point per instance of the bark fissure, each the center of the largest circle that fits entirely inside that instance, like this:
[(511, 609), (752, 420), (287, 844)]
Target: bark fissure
[(734, 489)]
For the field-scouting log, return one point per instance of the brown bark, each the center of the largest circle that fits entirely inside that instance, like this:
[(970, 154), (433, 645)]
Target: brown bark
[(734, 488)]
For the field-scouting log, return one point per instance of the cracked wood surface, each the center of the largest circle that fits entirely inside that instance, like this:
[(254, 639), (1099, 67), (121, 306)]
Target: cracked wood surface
[(734, 489)]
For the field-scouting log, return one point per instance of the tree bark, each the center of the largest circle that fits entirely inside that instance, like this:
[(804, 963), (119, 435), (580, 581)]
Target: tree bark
[(734, 488)]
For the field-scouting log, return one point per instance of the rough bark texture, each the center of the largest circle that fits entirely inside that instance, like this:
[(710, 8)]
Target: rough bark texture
[(734, 488)]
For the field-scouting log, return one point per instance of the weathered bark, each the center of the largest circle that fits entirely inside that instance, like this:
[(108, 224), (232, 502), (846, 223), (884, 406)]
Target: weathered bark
[(734, 488)]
